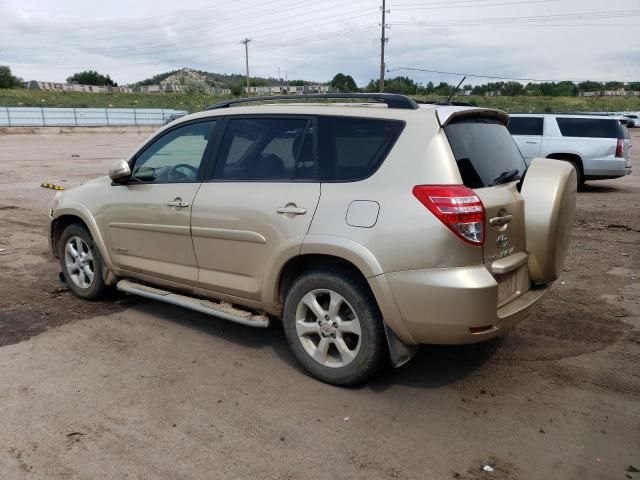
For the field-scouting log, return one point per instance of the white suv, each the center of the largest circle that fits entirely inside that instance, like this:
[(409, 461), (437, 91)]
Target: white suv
[(598, 147)]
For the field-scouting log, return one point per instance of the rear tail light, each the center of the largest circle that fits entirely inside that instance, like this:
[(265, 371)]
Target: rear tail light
[(620, 148), (457, 207)]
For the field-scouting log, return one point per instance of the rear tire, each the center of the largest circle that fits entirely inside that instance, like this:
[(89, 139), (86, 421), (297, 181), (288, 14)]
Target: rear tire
[(334, 327), (81, 263), (579, 176)]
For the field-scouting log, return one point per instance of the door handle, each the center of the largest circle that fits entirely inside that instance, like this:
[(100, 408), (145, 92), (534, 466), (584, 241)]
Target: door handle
[(178, 203), (293, 210), (500, 221), (532, 143)]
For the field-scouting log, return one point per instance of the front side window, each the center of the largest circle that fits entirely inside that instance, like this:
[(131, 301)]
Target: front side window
[(176, 156), (266, 149), (525, 125)]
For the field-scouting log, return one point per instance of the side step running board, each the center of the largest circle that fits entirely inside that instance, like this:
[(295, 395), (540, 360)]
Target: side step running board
[(217, 309)]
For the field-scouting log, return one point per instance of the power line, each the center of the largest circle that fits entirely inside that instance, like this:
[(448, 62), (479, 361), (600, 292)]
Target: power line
[(493, 77)]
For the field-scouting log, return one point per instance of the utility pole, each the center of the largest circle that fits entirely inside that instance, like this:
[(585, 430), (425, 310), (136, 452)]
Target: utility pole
[(246, 59), (383, 41)]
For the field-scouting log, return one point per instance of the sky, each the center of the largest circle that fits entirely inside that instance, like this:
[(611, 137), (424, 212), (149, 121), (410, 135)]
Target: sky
[(134, 39)]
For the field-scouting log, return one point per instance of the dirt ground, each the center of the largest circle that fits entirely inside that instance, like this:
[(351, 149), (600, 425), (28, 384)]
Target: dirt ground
[(128, 388)]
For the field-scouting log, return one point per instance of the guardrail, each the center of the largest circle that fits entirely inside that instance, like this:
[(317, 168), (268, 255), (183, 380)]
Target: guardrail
[(83, 117)]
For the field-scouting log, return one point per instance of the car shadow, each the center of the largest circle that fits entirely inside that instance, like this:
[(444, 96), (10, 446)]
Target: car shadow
[(249, 337), (591, 188), (435, 366), (432, 367)]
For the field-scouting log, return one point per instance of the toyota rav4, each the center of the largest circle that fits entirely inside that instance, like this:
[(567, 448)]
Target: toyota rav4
[(366, 227)]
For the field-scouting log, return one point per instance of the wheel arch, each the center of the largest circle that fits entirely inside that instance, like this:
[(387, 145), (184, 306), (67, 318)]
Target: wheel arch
[(401, 345), (67, 216), (570, 157)]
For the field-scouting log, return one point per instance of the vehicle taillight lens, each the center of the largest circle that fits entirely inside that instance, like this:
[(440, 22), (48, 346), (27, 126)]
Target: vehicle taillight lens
[(620, 148), (457, 207)]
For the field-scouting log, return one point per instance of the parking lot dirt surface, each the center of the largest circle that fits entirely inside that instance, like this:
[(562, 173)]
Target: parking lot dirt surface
[(129, 388)]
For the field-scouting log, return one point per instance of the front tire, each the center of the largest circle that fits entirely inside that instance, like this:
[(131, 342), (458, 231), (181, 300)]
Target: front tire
[(334, 327), (81, 263)]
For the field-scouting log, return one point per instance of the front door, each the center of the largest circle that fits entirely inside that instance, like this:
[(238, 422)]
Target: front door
[(147, 220), (257, 205)]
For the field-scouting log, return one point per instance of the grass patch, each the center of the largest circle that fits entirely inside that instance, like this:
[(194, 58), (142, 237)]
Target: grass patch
[(196, 102)]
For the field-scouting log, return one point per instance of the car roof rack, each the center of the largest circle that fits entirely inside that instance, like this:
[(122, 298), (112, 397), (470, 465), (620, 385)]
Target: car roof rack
[(441, 103), (392, 100)]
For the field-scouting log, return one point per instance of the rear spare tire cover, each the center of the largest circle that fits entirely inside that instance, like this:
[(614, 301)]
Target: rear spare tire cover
[(549, 192)]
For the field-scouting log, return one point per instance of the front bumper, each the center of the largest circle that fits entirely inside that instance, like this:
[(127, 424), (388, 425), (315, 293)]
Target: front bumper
[(441, 306)]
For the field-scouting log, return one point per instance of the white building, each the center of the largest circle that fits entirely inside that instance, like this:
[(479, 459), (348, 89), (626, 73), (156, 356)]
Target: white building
[(288, 89)]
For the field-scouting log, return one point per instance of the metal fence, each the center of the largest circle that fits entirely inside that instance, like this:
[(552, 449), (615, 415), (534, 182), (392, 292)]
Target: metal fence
[(83, 117)]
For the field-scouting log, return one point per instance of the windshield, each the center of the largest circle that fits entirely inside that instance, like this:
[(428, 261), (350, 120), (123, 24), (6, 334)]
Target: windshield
[(485, 152)]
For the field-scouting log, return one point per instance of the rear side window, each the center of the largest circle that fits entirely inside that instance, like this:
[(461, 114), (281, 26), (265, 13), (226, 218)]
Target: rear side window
[(525, 125), (485, 151), (353, 148), (266, 149), (590, 127)]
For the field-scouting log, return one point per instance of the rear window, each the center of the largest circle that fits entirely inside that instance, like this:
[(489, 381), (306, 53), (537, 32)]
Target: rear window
[(484, 150), (353, 148), (590, 127), (525, 125)]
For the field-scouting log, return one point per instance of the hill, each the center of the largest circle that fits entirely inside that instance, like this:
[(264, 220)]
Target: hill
[(220, 80)]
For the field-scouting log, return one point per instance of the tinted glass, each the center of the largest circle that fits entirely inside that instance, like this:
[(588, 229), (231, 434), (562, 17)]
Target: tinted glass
[(484, 150), (264, 149), (590, 127), (176, 156), (353, 148), (525, 125)]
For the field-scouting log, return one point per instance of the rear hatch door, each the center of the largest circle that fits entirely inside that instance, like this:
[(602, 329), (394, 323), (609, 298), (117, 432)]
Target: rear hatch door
[(491, 165)]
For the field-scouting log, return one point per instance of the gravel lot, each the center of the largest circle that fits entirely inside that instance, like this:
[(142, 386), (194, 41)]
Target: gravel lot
[(128, 388)]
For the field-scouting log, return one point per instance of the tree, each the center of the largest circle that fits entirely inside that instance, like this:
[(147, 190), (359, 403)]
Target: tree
[(91, 77), (344, 83), (192, 85), (7, 79), (512, 89), (590, 86)]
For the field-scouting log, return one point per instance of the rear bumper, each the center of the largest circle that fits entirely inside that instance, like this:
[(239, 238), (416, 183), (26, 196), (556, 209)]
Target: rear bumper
[(605, 167), (440, 306)]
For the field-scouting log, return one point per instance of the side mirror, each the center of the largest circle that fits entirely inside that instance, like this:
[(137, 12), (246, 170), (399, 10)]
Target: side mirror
[(119, 170)]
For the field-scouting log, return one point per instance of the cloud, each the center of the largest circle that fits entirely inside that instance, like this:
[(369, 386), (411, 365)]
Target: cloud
[(313, 41)]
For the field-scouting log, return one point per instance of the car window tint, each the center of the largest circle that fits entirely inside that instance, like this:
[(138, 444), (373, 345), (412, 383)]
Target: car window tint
[(590, 127), (175, 156), (305, 168), (260, 148), (525, 125), (353, 148), (483, 149)]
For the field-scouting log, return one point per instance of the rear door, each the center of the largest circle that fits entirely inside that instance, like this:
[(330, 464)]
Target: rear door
[(527, 132), (256, 206), (491, 164)]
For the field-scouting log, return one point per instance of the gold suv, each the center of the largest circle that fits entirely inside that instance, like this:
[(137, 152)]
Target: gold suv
[(367, 228)]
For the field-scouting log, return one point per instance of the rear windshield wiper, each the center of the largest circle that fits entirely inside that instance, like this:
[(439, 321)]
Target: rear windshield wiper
[(505, 177)]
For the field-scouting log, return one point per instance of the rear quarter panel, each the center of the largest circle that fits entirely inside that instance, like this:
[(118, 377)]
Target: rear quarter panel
[(406, 235)]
